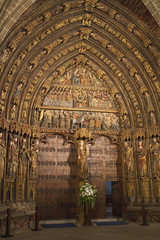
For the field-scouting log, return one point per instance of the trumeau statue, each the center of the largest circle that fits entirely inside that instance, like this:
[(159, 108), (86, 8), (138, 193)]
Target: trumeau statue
[(2, 155), (83, 153)]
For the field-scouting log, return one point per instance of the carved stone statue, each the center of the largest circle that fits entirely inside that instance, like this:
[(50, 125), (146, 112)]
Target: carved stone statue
[(61, 119), (142, 160), (12, 165), (152, 119), (125, 123), (155, 150), (83, 153), (2, 155), (35, 117), (33, 159), (23, 164), (129, 160), (46, 119), (56, 119)]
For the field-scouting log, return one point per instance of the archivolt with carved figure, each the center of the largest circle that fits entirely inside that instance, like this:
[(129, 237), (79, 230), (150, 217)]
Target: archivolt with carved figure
[(79, 73)]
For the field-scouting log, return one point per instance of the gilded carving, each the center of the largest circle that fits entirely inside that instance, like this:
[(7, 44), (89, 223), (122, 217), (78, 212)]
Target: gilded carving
[(23, 159), (13, 112), (82, 111), (155, 156), (125, 122), (129, 161), (87, 20), (8, 189), (13, 162), (155, 52), (103, 7), (2, 155), (152, 119), (85, 33), (21, 83), (113, 13), (142, 160), (102, 57), (83, 153), (19, 189), (144, 187), (112, 66), (33, 159), (99, 22), (131, 27), (142, 36), (69, 5), (90, 4)]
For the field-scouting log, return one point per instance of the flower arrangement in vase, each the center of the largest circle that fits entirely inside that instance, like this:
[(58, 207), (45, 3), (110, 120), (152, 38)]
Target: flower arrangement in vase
[(87, 197)]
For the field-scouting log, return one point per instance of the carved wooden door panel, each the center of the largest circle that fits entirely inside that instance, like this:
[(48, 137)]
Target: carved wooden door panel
[(117, 199)]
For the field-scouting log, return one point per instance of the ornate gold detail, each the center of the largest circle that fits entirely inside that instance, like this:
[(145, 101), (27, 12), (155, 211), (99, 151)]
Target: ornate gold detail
[(157, 188), (85, 33), (35, 132), (82, 59), (83, 133), (15, 126), (8, 189), (145, 187), (131, 27), (80, 109), (26, 130), (4, 124), (112, 13), (90, 4), (131, 189), (82, 50), (87, 20), (20, 189), (31, 190)]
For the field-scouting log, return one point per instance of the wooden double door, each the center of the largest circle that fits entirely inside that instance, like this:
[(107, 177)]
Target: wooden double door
[(117, 199)]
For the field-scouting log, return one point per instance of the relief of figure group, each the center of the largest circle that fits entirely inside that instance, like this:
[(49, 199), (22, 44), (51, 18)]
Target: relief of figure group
[(70, 97), (141, 157), (74, 119), (20, 161)]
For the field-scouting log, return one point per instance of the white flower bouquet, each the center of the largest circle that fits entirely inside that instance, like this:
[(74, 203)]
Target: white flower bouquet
[(87, 195)]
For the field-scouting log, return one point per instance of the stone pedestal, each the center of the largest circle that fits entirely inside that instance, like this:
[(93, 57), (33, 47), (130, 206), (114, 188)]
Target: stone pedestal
[(131, 189), (144, 185), (157, 187), (87, 215), (31, 189), (8, 189), (20, 186)]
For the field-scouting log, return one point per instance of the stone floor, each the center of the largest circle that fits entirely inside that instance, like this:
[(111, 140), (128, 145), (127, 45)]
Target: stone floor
[(131, 231)]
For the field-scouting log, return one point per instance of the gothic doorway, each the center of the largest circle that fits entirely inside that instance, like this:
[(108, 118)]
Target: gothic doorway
[(57, 184), (113, 199), (105, 163)]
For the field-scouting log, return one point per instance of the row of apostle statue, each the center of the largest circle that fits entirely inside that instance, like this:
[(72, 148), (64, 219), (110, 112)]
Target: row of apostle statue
[(21, 161), (19, 155), (142, 156)]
